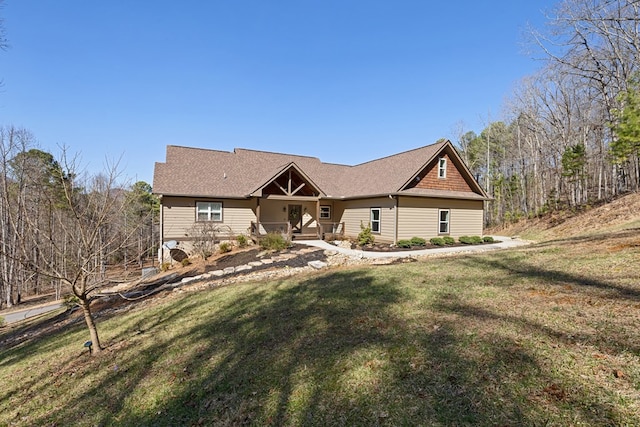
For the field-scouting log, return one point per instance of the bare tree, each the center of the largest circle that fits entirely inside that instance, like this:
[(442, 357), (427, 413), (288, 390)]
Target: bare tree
[(596, 44), (82, 239), (13, 194)]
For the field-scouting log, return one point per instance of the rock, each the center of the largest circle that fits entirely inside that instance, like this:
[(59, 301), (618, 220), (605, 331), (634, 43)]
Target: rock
[(255, 263), (217, 273), (345, 244), (317, 264), (243, 268), (229, 270)]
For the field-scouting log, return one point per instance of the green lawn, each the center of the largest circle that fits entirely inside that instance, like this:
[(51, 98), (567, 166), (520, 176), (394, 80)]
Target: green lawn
[(542, 335)]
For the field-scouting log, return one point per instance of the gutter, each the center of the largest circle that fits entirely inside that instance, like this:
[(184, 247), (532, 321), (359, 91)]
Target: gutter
[(397, 194)]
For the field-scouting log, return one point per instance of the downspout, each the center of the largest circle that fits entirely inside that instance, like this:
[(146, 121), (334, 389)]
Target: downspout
[(258, 214), (395, 213), (161, 251)]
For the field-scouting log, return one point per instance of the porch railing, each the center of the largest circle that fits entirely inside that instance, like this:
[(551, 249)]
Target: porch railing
[(263, 228), (332, 230), (326, 230)]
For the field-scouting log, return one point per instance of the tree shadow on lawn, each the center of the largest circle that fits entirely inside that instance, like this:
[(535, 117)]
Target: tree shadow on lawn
[(591, 238), (335, 349), (330, 350), (516, 265), (552, 380)]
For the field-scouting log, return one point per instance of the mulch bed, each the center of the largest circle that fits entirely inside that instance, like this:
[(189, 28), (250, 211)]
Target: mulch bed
[(381, 247)]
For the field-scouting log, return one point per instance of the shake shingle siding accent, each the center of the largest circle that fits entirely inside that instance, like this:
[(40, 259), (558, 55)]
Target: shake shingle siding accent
[(453, 181)]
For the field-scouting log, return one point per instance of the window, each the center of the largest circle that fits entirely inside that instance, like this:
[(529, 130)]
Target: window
[(443, 221), (325, 212), (375, 220), (209, 211), (442, 167)]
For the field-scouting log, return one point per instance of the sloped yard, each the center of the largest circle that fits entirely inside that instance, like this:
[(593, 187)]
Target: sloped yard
[(540, 335)]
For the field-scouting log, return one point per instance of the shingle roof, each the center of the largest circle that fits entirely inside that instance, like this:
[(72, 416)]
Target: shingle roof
[(198, 172)]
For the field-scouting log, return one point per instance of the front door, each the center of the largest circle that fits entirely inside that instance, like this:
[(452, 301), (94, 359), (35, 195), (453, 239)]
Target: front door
[(295, 218)]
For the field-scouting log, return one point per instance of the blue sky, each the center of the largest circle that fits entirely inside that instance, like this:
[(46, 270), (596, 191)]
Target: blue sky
[(346, 81)]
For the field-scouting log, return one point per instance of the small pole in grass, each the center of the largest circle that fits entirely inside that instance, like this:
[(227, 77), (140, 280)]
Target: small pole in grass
[(88, 345)]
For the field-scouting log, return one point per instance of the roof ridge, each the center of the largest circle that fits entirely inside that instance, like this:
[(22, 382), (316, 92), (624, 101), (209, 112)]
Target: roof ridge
[(235, 150), (441, 142), (198, 148)]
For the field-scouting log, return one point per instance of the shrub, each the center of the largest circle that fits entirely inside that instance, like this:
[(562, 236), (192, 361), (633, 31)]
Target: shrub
[(205, 234), (242, 240), (165, 266), (404, 243), (225, 247), (206, 254), (466, 240), (448, 240), (438, 241), (476, 240), (274, 242), (365, 237), (1, 321), (418, 241), (185, 262), (488, 239)]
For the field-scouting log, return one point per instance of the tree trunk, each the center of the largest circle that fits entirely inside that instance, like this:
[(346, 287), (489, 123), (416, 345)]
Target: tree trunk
[(93, 331)]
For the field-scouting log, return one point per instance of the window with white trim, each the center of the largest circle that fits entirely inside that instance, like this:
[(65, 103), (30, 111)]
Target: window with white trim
[(442, 167), (443, 221), (325, 212), (209, 211), (375, 220)]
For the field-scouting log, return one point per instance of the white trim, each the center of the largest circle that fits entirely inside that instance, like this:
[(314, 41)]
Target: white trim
[(377, 221), (446, 222), (327, 209), (442, 167), (211, 211)]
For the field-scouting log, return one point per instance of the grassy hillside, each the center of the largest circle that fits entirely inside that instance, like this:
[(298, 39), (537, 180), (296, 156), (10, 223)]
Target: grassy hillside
[(542, 335), (619, 214)]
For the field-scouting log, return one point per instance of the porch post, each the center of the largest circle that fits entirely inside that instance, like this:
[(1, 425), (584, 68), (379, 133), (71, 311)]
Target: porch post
[(318, 226), (258, 218)]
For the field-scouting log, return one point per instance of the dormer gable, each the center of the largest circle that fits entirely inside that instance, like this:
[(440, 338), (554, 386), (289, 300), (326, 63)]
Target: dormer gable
[(290, 181), (445, 171)]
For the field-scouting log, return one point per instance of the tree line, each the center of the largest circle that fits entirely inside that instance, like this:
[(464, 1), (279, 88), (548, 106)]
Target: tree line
[(60, 227), (571, 133)]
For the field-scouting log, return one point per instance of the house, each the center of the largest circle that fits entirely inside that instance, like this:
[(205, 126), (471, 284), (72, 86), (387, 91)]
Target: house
[(425, 192)]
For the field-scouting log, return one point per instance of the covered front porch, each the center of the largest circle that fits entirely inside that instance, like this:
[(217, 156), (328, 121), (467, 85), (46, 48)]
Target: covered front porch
[(290, 203), (297, 218)]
